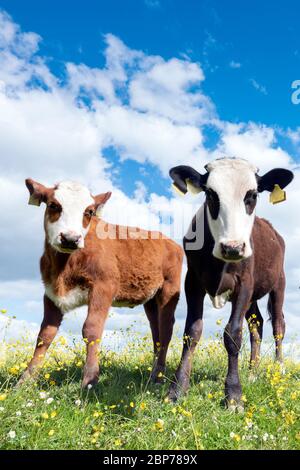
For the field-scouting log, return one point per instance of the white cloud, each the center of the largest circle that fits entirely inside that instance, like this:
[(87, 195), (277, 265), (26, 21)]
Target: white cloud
[(294, 135), (164, 90), (148, 137), (254, 142), (234, 65)]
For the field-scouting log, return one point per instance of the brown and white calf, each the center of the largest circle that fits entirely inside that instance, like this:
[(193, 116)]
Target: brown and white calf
[(240, 258), (88, 261)]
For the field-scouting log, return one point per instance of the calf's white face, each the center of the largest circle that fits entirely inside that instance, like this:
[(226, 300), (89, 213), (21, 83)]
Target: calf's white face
[(231, 186), (231, 193), (69, 211), (68, 230)]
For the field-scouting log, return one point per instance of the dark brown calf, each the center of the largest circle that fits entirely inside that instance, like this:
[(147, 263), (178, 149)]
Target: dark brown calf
[(250, 267), (119, 266)]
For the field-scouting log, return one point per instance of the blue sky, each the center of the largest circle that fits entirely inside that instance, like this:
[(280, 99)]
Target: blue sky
[(114, 93), (262, 37)]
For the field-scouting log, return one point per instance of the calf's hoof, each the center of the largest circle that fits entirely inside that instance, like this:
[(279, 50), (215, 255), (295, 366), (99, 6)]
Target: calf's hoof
[(25, 378), (252, 377), (175, 392), (157, 375), (282, 368), (235, 406), (90, 377)]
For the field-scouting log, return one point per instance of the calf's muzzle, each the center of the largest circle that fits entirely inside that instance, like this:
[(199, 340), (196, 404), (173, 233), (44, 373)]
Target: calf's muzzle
[(70, 240), (232, 250)]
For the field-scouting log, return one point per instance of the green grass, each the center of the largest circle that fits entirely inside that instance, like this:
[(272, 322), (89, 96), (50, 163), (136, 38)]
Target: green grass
[(125, 411)]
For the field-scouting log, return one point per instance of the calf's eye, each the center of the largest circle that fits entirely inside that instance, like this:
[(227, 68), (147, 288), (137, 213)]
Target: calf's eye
[(250, 201), (53, 206), (90, 213)]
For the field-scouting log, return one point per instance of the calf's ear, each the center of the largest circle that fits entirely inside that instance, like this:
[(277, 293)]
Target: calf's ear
[(185, 179), (38, 192), (274, 181), (100, 200), (278, 176)]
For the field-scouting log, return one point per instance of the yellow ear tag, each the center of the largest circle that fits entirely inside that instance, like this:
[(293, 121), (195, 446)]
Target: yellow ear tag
[(177, 190), (277, 195), (34, 201), (191, 188)]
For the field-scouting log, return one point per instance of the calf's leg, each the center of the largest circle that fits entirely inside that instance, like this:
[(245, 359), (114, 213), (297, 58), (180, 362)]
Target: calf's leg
[(100, 300), (167, 301), (233, 340), (255, 324), (151, 310), (49, 327), (275, 304), (192, 333)]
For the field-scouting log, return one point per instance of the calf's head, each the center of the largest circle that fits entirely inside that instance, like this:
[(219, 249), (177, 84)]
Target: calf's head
[(231, 187), (69, 211)]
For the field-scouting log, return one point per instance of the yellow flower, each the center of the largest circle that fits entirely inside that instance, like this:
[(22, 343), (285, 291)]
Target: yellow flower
[(45, 415), (218, 322), (47, 376), (62, 340), (118, 442), (51, 432), (159, 425), (294, 395), (235, 437), (3, 397), (53, 414), (3, 310), (289, 417), (183, 411), (160, 374), (79, 363), (143, 406), (131, 404)]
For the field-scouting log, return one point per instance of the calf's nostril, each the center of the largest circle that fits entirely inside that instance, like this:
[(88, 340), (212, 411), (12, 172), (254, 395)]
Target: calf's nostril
[(232, 250), (69, 238)]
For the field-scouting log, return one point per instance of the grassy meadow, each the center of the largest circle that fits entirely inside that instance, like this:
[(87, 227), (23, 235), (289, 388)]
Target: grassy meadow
[(126, 411)]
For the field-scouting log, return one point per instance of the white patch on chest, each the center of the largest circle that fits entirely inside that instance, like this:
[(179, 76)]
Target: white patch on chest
[(73, 299), (219, 301)]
